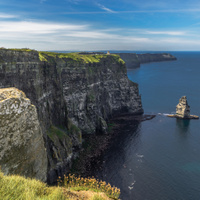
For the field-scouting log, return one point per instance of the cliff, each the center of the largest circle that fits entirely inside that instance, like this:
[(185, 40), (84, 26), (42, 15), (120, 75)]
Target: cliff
[(134, 60), (73, 94)]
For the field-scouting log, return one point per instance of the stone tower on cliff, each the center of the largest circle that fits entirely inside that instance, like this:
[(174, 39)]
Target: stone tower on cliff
[(183, 109)]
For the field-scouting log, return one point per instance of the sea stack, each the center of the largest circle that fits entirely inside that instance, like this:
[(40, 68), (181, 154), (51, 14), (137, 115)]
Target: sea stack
[(183, 110)]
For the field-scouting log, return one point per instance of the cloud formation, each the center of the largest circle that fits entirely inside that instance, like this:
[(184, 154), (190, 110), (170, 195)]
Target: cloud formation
[(105, 8), (7, 16), (177, 33), (41, 35)]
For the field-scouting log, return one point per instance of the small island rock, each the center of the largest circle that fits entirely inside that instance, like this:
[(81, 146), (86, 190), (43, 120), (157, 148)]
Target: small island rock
[(183, 110)]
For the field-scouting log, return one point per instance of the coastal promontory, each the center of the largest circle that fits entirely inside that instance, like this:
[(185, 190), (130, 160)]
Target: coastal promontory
[(72, 94)]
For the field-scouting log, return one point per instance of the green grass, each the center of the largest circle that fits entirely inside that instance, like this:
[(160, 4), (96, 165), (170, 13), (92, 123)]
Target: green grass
[(77, 183), (19, 188), (22, 50), (97, 197), (44, 56), (86, 58), (14, 187), (54, 131)]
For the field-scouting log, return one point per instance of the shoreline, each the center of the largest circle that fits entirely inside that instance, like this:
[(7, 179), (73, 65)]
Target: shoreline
[(94, 146)]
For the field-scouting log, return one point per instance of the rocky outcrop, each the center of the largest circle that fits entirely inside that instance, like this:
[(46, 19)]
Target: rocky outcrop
[(22, 149), (134, 60), (183, 110), (73, 94)]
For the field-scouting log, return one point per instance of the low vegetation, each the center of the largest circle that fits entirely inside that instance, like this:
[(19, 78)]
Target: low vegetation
[(45, 56), (78, 183), (22, 50), (86, 58), (16, 187), (75, 56)]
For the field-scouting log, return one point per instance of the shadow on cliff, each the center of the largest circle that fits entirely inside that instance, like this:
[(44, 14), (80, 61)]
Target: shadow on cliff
[(98, 149), (124, 131)]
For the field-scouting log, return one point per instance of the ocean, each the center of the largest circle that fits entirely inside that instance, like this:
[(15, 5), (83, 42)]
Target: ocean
[(159, 159)]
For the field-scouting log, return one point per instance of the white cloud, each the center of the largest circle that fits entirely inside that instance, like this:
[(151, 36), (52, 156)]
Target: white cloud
[(166, 32), (105, 8), (108, 10), (7, 16), (65, 36), (36, 27)]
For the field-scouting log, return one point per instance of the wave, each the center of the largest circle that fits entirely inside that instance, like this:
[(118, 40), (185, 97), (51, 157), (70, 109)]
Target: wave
[(131, 186), (165, 114), (139, 156)]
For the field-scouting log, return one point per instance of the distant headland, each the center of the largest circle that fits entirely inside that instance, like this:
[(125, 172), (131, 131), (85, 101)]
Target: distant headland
[(134, 60)]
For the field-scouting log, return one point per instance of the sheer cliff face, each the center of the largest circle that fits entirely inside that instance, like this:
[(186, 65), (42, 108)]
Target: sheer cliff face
[(86, 92), (73, 94), (94, 92)]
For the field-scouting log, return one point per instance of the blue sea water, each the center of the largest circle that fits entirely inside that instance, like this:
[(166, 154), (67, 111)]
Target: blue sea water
[(159, 159)]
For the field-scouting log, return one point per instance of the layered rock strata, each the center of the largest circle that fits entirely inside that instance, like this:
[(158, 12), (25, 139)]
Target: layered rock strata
[(22, 149), (73, 94)]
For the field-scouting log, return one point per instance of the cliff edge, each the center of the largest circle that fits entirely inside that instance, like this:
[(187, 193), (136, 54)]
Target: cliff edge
[(74, 94)]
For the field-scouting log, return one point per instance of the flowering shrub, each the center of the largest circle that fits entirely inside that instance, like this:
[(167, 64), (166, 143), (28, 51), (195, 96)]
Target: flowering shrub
[(78, 183)]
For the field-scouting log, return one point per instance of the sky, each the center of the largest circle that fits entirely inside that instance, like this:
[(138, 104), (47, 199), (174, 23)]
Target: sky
[(92, 25)]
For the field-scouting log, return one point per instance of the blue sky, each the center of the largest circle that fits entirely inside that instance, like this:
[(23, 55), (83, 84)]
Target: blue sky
[(100, 25)]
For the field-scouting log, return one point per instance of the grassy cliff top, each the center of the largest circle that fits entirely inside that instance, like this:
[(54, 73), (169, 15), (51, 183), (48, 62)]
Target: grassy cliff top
[(16, 49), (18, 187), (87, 58), (46, 56)]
